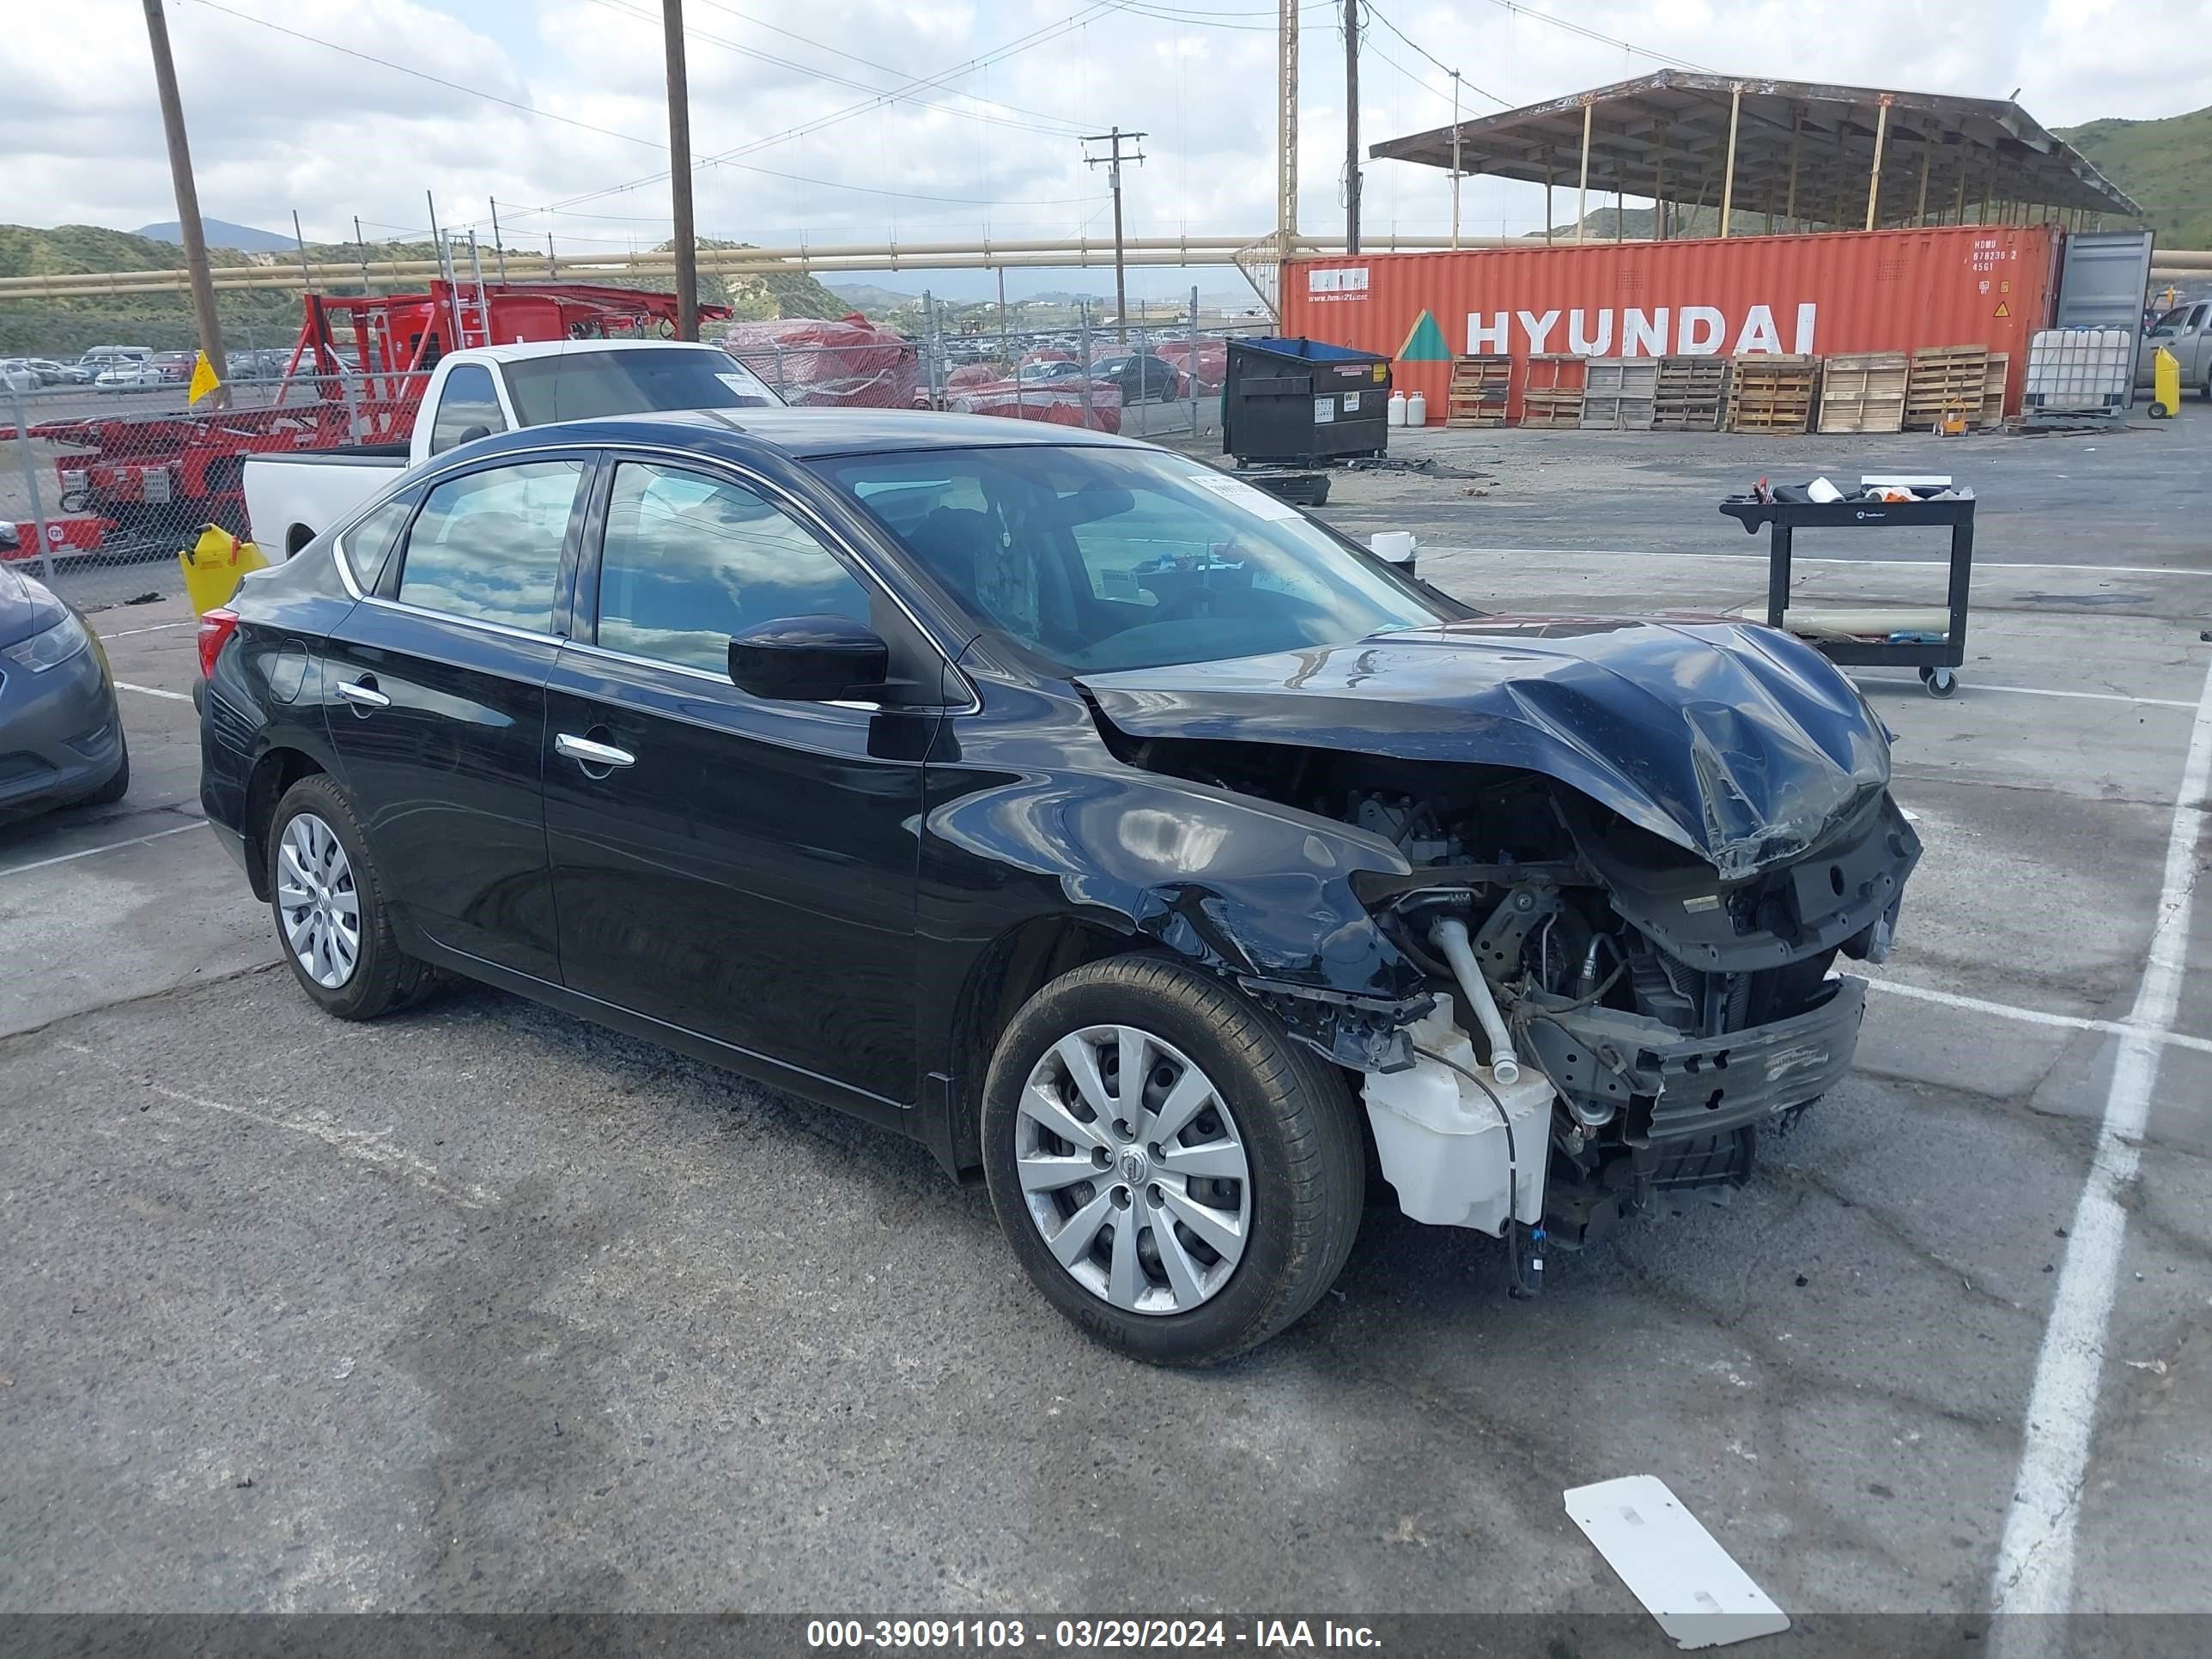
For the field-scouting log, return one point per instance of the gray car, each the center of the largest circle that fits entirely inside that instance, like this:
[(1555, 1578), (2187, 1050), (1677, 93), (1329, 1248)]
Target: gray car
[(61, 734)]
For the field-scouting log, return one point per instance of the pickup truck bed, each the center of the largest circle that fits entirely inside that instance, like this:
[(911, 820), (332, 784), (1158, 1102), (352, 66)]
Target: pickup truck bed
[(318, 488)]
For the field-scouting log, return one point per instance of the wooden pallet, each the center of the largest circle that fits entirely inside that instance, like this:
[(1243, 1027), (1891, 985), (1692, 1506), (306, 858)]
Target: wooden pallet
[(1619, 394), (1552, 393), (1771, 394), (1863, 392), (1945, 381), (1993, 389), (1478, 390), (1690, 394)]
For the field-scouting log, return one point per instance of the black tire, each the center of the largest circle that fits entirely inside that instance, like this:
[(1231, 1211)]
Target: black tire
[(384, 976), (116, 787), (1292, 1109)]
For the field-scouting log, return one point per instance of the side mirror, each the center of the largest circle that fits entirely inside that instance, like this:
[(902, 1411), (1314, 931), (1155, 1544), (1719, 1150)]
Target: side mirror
[(808, 659)]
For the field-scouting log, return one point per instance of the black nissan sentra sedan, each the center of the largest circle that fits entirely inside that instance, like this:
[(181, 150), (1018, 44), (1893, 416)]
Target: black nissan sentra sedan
[(1077, 810)]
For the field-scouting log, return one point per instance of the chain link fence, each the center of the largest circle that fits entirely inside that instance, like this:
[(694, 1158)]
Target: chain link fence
[(103, 482), (102, 485)]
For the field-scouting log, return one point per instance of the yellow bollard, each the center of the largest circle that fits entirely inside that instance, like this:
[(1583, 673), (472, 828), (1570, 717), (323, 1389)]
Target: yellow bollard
[(213, 565)]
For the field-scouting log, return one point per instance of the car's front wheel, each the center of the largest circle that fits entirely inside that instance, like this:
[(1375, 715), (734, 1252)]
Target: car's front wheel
[(1176, 1174), (327, 897)]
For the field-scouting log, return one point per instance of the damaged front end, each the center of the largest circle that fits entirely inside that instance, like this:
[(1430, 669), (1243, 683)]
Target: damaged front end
[(1668, 1013), (1630, 943)]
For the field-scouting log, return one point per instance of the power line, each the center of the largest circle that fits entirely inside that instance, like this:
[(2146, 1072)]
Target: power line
[(608, 132), (1604, 39), (1213, 19), (1372, 12), (420, 74), (870, 63), (1020, 43), (1061, 129)]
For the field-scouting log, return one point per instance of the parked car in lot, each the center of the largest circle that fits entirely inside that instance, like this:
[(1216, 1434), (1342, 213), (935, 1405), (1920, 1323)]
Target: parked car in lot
[(1143, 378), (129, 374), (175, 365), (96, 358), (61, 736), (2186, 331), (1055, 372), (16, 374), (59, 374), (1084, 812)]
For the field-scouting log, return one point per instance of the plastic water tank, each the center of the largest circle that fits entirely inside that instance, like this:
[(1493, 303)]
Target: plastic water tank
[(1395, 415), (1441, 1139), (1417, 409)]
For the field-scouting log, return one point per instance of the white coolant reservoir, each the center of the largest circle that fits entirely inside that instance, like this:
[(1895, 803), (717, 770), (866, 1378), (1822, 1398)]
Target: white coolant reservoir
[(1441, 1142)]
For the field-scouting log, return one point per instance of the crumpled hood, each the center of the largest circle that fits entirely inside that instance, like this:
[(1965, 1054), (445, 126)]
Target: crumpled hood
[(26, 608), (1737, 742)]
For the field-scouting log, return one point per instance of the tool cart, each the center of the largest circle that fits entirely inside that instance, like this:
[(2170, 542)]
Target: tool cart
[(1933, 641)]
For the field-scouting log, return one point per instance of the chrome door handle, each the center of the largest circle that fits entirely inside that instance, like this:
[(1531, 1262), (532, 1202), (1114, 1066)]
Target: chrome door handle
[(571, 747), (366, 695)]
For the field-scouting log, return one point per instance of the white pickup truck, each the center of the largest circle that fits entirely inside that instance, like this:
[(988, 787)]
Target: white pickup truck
[(292, 495)]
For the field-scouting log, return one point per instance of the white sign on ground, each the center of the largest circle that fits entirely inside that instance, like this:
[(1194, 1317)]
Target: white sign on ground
[(1671, 1564)]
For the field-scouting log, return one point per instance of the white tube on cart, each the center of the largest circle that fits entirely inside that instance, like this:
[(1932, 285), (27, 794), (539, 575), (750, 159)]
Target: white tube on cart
[(1449, 936)]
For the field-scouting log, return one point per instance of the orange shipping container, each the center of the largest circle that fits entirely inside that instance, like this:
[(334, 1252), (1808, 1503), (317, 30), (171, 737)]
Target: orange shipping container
[(1883, 290)]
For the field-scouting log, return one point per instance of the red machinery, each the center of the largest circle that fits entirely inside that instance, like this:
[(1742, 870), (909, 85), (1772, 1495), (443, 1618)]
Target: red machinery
[(849, 362), (355, 375)]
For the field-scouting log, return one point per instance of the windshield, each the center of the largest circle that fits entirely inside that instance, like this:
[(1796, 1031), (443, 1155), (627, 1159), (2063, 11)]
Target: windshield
[(1097, 559), (582, 386)]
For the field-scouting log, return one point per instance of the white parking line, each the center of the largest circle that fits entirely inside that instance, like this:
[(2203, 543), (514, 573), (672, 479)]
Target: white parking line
[(1801, 558), (152, 691), (2045, 691), (2034, 1572), (108, 847), (2039, 1017)]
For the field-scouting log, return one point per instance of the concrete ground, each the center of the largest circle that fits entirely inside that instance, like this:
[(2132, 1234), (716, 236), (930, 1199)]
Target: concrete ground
[(482, 1308)]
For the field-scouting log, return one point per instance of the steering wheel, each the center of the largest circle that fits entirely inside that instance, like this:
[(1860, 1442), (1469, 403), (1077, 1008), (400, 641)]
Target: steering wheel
[(1191, 602)]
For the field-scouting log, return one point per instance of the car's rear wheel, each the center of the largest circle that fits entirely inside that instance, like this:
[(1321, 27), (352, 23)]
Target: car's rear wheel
[(1176, 1174), (327, 897)]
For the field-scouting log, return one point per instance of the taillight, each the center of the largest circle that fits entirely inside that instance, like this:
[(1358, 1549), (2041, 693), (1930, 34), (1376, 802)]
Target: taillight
[(216, 628)]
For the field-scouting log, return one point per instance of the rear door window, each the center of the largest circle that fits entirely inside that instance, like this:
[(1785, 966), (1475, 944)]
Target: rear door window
[(368, 544), (469, 400), (487, 545)]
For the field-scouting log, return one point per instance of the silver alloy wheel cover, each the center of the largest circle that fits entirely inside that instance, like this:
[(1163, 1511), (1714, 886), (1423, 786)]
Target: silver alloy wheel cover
[(1141, 1182), (318, 902)]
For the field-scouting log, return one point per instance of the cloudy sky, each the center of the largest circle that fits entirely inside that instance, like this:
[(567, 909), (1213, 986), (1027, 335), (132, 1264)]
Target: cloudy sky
[(862, 121)]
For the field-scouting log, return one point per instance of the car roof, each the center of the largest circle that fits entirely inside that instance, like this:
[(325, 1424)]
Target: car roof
[(811, 434), (521, 351)]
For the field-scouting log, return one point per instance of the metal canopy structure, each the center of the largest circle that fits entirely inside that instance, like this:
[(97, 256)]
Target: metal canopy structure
[(1802, 153)]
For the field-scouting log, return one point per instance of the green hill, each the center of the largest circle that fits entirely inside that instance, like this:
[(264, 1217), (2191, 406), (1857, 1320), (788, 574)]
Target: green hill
[(269, 317), (2166, 165)]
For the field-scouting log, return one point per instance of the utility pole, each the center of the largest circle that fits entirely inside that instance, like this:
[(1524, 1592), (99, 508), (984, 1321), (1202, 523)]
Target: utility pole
[(1286, 127), (1352, 126), (307, 276), (361, 248), (188, 198), (679, 173), (1112, 163), (498, 248), (1547, 223)]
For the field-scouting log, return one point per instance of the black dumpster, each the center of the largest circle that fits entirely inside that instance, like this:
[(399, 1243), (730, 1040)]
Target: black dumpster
[(1304, 401)]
